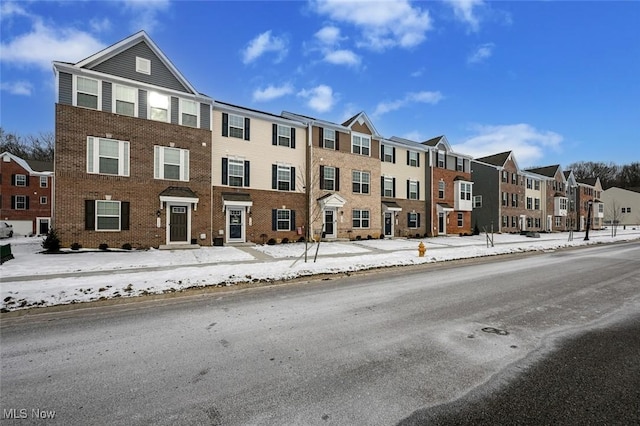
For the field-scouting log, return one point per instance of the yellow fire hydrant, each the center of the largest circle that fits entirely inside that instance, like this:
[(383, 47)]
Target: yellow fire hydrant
[(421, 249)]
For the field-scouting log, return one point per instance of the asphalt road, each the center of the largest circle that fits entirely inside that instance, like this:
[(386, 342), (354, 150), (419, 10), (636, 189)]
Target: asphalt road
[(370, 349)]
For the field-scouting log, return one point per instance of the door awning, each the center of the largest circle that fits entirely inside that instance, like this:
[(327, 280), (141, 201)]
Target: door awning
[(178, 194), (238, 199), (331, 200), (391, 206), (444, 207)]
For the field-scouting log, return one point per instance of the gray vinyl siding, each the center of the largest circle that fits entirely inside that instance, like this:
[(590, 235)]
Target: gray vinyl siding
[(106, 96), (205, 116), (124, 65), (65, 89), (486, 183), (175, 110), (142, 103)]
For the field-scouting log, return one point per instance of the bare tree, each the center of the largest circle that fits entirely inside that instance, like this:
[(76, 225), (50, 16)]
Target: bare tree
[(613, 216), (31, 147)]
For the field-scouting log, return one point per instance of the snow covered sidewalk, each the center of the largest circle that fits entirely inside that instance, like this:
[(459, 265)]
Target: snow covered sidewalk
[(36, 279)]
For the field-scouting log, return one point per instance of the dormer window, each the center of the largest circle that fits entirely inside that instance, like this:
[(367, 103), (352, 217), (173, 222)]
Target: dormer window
[(143, 66)]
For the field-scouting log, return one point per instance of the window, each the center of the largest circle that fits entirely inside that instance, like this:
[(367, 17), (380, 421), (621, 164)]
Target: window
[(505, 199), (125, 100), (514, 178), (21, 180), (236, 172), (284, 179), (441, 189), (514, 221), (624, 210), (360, 144), (44, 182), (477, 201), (20, 202), (43, 200), (388, 187), (87, 92), (171, 163), (158, 107), (236, 126), (413, 220), (360, 218), (536, 185), (505, 176), (328, 178), (600, 208), (460, 220), (529, 183), (107, 215), (537, 222), (529, 203), (465, 191), (413, 159), (536, 203), (329, 139), (558, 221), (514, 200), (441, 160), (388, 154), (505, 220), (284, 135), (460, 164), (107, 156), (361, 182), (143, 65), (284, 220), (413, 190), (529, 222), (188, 113)]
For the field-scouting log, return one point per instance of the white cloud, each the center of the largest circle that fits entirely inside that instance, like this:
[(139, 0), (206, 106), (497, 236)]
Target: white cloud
[(413, 136), (100, 25), (383, 24), (23, 88), (342, 57), (415, 97), (527, 143), (145, 13), (272, 92), (417, 73), (481, 53), (45, 44), (8, 9), (319, 98), (463, 10), (329, 35), (264, 43)]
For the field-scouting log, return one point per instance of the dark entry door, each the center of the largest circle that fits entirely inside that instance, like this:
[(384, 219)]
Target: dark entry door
[(178, 221), (43, 227), (441, 223), (328, 223), (387, 224)]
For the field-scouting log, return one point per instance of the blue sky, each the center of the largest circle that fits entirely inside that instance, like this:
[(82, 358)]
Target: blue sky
[(556, 82)]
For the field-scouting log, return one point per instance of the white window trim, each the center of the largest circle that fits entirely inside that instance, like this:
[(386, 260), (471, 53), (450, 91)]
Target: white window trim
[(74, 83), (119, 216), (93, 162), (477, 201), (460, 220), (278, 135), (388, 180), (278, 220), (325, 138), (143, 65), (114, 98), (229, 126), (333, 179), (149, 106), (229, 175), (444, 159), (24, 202), (360, 211), (415, 184), (158, 161), (23, 180), (45, 180), (413, 160), (362, 137), (278, 180), (413, 222), (360, 181), (390, 154), (182, 111)]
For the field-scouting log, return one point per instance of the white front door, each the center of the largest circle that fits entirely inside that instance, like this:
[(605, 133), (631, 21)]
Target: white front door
[(235, 224), (549, 223), (329, 222)]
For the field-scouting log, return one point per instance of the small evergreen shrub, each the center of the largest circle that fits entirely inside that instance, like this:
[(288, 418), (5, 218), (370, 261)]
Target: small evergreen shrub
[(103, 246), (126, 246), (382, 236), (271, 242), (285, 240), (301, 240), (51, 243), (369, 237), (76, 246), (358, 237)]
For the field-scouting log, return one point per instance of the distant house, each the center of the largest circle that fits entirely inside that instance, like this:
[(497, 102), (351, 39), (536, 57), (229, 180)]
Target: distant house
[(25, 194), (555, 203), (586, 197), (622, 207)]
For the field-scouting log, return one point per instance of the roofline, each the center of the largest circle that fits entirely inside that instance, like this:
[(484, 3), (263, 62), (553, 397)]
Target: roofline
[(23, 163), (240, 110)]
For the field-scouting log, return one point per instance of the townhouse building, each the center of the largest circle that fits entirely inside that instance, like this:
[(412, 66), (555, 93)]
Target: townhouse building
[(450, 186), (403, 188), (259, 182), (589, 203), (499, 202), (555, 200), (622, 207), (133, 151), (534, 200), (343, 177), (25, 194)]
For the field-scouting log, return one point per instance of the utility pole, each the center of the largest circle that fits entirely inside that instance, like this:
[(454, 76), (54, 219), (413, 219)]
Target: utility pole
[(586, 237)]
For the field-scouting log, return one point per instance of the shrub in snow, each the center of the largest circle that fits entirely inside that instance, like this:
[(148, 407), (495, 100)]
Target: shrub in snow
[(285, 240), (271, 242), (126, 246), (76, 246), (301, 240), (103, 246), (51, 243)]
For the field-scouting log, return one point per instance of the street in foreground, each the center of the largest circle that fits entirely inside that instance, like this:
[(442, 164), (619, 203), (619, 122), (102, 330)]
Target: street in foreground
[(371, 349)]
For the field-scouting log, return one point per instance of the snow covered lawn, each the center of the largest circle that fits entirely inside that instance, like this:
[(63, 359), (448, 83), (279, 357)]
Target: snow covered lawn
[(36, 279)]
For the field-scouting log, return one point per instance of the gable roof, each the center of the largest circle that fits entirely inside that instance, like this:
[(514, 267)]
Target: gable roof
[(549, 171), (405, 143), (592, 181), (362, 118), (496, 159), (433, 141), (34, 167), (313, 121)]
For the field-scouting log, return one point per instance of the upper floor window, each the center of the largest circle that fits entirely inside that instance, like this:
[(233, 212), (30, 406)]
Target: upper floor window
[(412, 193), (329, 139), (283, 135), (236, 172), (563, 203), (505, 176), (329, 178), (413, 159), (20, 202), (361, 182), (600, 208), (44, 181), (388, 187), (283, 178), (188, 113), (536, 185), (441, 189), (43, 200), (107, 156), (477, 201), (460, 164), (529, 203), (360, 218), (465, 191), (505, 199), (388, 154), (20, 180), (514, 200), (529, 183), (441, 160), (125, 100), (234, 126), (143, 65), (360, 144), (159, 107), (87, 92), (514, 178), (536, 203), (171, 163)]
